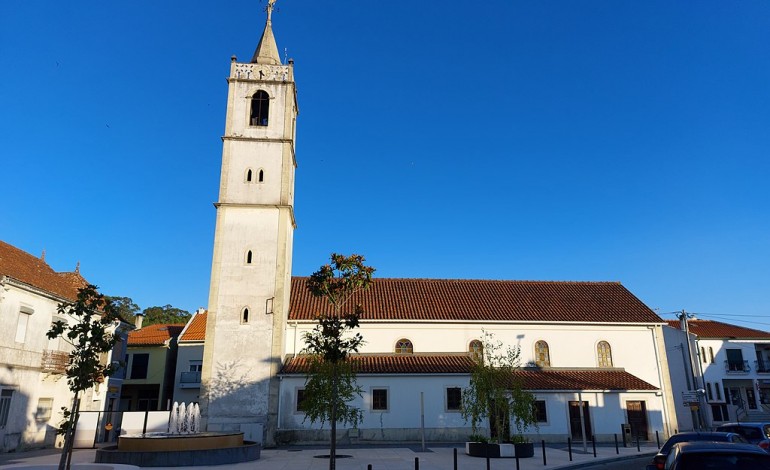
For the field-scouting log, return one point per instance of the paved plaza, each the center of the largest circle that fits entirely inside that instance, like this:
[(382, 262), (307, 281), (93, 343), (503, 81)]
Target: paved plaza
[(436, 457)]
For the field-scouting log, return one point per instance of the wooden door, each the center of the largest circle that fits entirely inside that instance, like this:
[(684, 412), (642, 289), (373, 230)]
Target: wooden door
[(574, 420), (637, 418)]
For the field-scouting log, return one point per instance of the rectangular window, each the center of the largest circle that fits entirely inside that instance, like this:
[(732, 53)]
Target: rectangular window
[(541, 416), (734, 360), (301, 396), (139, 366), (196, 366), (44, 409), (709, 394), (719, 412), (703, 354), (21, 325), (454, 398), (718, 390), (380, 399), (711, 354), (5, 406)]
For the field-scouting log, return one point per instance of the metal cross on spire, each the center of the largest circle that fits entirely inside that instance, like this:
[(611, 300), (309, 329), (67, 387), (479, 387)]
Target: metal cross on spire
[(269, 8)]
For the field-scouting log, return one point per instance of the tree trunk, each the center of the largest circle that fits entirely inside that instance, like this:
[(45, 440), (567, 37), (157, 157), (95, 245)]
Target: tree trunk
[(69, 436), (333, 446)]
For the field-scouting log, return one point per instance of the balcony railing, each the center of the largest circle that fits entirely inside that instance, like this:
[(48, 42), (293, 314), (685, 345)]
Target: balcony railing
[(737, 367), (54, 362), (762, 367), (190, 378)]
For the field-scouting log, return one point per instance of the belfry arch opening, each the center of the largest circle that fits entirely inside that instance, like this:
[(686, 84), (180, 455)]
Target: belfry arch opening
[(260, 107)]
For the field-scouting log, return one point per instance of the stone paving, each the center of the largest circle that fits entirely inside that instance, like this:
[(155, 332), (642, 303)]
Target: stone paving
[(436, 457)]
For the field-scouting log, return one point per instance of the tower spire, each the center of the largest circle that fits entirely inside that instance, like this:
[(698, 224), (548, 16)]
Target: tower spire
[(267, 49)]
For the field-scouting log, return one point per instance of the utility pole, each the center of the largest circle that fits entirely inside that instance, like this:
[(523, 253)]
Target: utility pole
[(700, 392)]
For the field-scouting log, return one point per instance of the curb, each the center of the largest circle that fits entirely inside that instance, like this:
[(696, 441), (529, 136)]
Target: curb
[(609, 460)]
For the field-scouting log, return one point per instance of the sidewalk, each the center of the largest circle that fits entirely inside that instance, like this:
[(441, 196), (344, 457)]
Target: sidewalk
[(436, 457)]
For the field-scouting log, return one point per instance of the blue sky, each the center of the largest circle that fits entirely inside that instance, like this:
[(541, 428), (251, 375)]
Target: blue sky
[(547, 140)]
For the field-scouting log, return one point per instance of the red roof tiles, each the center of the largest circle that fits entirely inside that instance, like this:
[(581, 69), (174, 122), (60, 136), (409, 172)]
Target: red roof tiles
[(196, 330), (533, 379), (719, 330), (31, 270), (153, 335), (484, 300)]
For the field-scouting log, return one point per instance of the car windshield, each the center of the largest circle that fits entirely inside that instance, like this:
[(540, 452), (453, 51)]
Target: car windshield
[(724, 461)]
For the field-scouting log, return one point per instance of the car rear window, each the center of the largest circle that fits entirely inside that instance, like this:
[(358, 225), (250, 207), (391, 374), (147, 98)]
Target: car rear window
[(689, 438), (724, 461), (766, 430)]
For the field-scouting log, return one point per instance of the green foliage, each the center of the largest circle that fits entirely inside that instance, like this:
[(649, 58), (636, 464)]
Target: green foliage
[(495, 394), (64, 424), (90, 337), (165, 314), (331, 381), (124, 307), (478, 438)]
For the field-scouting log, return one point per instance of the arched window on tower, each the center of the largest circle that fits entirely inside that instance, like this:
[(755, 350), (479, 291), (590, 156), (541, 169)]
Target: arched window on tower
[(245, 315), (261, 177), (604, 353), (249, 175), (404, 346), (542, 354), (260, 105), (248, 257)]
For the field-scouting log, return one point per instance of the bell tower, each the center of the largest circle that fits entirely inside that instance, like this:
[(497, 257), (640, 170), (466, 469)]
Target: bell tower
[(251, 266)]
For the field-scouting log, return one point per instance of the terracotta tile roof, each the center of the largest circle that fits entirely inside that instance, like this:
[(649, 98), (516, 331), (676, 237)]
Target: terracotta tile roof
[(153, 335), (719, 330), (196, 329), (533, 379), (484, 300), (32, 270)]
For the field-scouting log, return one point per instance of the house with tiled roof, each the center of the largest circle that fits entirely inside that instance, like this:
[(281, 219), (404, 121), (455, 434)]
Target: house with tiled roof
[(33, 385), (582, 344), (189, 362), (728, 366), (150, 366)]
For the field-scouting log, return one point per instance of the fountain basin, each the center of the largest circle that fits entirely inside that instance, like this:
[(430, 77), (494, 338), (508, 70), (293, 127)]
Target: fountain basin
[(174, 450)]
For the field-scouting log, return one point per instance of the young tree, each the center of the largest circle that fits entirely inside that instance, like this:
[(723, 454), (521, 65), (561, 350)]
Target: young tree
[(90, 336), (495, 394), (331, 381)]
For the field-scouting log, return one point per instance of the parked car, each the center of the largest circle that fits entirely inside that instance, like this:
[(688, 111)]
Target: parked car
[(660, 457), (716, 456), (755, 433)]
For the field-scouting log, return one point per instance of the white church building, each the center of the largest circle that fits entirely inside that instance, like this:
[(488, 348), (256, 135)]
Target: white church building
[(584, 344)]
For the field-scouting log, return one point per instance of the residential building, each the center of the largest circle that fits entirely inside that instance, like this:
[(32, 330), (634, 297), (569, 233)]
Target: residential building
[(33, 384), (150, 366), (189, 362), (730, 367)]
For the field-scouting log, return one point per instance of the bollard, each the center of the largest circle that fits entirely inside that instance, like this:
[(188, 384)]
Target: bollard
[(638, 447), (455, 458), (369, 467), (517, 462), (617, 451), (542, 443), (417, 463), (657, 438), (593, 443), (487, 454), (569, 448)]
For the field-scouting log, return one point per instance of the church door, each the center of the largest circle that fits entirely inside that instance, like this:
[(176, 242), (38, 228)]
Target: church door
[(637, 418), (574, 420)]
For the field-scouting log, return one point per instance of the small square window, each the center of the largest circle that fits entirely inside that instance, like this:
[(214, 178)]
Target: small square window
[(454, 398), (380, 399), (541, 416), (44, 409)]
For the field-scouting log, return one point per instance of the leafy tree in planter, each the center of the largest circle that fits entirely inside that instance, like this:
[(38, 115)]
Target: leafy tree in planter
[(495, 394), (90, 337), (331, 381)]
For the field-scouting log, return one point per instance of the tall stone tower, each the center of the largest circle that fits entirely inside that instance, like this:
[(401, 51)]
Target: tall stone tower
[(251, 267)]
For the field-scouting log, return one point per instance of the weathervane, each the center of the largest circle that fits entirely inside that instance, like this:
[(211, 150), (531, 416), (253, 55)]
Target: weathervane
[(269, 8)]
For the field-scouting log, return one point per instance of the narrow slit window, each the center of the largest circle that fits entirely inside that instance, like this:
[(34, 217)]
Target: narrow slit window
[(248, 257), (711, 354), (261, 178), (249, 176), (260, 105), (245, 315)]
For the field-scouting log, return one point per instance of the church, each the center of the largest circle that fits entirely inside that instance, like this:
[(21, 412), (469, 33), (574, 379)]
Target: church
[(591, 352)]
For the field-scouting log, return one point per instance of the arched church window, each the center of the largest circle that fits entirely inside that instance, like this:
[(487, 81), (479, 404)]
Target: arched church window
[(476, 349), (404, 346), (260, 105), (248, 257), (245, 315), (542, 354), (249, 176), (604, 352), (261, 178)]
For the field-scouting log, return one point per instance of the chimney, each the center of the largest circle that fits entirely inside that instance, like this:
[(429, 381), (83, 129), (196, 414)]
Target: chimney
[(138, 318)]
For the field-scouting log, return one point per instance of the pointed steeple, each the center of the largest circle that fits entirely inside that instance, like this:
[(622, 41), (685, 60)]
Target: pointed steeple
[(267, 49)]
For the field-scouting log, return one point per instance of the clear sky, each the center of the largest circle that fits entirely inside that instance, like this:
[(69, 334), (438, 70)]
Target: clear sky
[(548, 140)]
